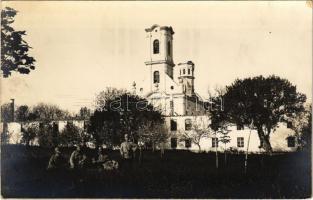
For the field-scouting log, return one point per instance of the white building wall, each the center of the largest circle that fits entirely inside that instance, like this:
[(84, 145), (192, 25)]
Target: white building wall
[(15, 129), (278, 138)]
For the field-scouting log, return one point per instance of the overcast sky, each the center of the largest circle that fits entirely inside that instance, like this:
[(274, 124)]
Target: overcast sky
[(83, 47)]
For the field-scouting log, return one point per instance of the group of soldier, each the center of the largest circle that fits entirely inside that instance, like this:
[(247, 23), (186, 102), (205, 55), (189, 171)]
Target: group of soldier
[(79, 159)]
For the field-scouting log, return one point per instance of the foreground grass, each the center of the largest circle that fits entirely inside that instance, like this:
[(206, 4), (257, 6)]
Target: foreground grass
[(180, 174)]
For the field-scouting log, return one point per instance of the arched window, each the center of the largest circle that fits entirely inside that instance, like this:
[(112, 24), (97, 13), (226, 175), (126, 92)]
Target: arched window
[(156, 47), (169, 48), (156, 77)]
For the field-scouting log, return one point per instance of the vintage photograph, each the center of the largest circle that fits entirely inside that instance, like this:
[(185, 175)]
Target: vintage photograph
[(156, 99)]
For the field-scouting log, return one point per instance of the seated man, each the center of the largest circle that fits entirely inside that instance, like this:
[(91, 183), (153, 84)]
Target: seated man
[(77, 159), (101, 157), (56, 161)]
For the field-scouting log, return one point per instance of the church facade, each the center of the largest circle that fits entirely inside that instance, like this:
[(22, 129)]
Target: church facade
[(184, 109)]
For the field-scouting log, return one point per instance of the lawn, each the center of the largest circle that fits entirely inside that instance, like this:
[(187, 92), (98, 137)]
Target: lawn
[(179, 174)]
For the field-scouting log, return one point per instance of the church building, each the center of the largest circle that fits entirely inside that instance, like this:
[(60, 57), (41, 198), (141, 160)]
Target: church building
[(184, 109)]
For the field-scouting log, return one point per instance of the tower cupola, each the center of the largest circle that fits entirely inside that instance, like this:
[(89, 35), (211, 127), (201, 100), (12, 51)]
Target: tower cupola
[(186, 77)]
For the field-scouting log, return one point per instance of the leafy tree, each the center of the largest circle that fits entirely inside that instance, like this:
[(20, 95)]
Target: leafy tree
[(48, 112), (84, 113), (29, 133), (22, 113), (5, 134), (47, 135), (70, 135), (14, 49), (153, 132), (302, 125), (121, 113), (265, 101), (108, 94), (6, 112)]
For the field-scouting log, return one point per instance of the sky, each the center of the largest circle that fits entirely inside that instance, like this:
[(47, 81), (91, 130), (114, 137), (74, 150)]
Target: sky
[(83, 47)]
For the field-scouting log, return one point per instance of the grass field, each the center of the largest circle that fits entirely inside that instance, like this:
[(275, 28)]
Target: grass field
[(180, 174)]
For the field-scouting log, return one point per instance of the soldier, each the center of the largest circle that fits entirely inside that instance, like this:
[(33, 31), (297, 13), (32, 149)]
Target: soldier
[(77, 159), (101, 157), (56, 161), (127, 150)]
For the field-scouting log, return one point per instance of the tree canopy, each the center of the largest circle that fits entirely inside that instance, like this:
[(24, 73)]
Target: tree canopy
[(261, 103), (14, 49), (121, 113)]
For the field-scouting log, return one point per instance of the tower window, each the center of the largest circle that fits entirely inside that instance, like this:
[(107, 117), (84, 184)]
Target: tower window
[(184, 71), (156, 46), (156, 77), (169, 48)]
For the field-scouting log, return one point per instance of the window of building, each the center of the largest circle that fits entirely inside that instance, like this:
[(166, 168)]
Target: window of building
[(187, 124), (173, 125), (240, 127), (172, 107), (169, 48), (173, 143), (22, 128), (55, 127), (291, 141), (156, 77), (85, 125), (41, 125), (70, 123), (240, 142), (188, 143), (188, 71), (214, 142), (289, 124), (156, 46), (184, 71)]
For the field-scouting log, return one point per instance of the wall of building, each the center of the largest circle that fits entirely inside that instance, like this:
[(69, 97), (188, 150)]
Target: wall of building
[(278, 138), (15, 129)]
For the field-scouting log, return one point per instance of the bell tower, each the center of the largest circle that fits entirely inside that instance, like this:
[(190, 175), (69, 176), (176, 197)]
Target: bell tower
[(186, 77), (160, 56)]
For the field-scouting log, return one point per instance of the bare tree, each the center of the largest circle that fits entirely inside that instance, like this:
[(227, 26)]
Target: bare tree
[(199, 130), (224, 138)]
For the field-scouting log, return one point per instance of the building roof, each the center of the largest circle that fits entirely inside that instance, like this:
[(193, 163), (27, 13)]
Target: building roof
[(167, 28)]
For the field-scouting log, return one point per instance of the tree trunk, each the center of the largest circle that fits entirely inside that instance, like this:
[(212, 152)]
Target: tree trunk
[(264, 139), (225, 155), (140, 155), (199, 147), (216, 157)]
